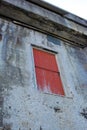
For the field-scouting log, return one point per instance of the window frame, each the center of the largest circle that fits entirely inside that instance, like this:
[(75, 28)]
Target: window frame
[(51, 51)]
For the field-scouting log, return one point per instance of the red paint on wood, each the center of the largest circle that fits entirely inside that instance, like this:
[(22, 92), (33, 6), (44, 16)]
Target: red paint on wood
[(45, 60), (48, 78), (49, 81)]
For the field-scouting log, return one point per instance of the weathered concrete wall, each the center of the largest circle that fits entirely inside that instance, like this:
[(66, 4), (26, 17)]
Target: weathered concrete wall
[(22, 106)]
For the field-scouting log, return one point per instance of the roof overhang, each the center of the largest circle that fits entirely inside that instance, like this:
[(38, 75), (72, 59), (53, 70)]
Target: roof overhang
[(60, 11), (29, 18)]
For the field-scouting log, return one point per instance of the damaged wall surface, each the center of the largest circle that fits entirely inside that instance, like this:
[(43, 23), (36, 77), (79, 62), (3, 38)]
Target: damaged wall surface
[(22, 105)]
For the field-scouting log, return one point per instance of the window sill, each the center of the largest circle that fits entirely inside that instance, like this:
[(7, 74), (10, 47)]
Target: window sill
[(57, 95)]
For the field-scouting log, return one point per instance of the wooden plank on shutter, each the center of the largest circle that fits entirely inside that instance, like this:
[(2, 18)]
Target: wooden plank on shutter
[(45, 60), (49, 81)]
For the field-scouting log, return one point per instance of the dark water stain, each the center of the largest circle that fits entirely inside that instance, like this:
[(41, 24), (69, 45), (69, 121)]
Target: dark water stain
[(57, 110), (41, 128), (0, 37), (7, 127), (84, 113), (54, 40), (1, 111)]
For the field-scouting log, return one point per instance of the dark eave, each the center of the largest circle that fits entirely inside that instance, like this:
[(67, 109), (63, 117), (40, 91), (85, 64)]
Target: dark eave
[(31, 19), (60, 11)]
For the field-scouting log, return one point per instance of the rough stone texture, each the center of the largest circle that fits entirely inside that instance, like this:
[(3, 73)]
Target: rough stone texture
[(26, 108)]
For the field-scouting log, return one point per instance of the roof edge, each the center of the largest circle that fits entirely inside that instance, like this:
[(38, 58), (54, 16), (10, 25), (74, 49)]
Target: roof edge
[(60, 11)]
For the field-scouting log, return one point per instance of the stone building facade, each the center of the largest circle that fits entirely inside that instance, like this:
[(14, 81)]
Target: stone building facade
[(26, 25)]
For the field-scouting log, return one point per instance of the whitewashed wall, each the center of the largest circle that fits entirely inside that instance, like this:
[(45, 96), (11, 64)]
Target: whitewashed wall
[(23, 107)]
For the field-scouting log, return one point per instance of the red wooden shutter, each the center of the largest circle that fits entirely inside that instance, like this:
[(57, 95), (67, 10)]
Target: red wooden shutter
[(47, 72)]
